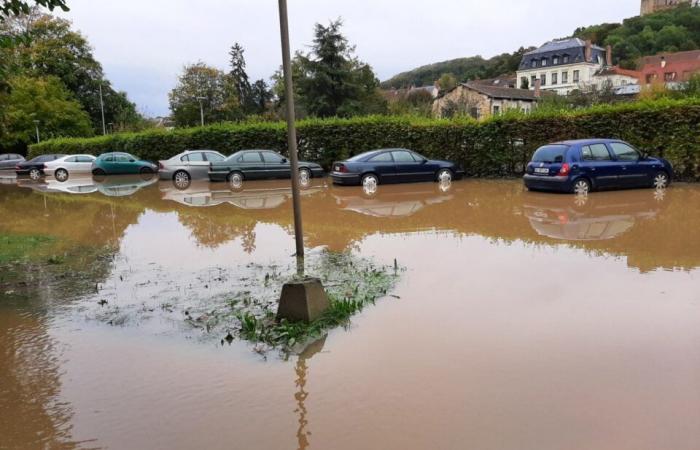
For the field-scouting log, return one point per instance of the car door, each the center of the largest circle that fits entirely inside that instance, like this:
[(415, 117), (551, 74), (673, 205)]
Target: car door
[(252, 165), (197, 165), (83, 164), (4, 162), (407, 168), (71, 164), (276, 165), (383, 165), (598, 165), (632, 173)]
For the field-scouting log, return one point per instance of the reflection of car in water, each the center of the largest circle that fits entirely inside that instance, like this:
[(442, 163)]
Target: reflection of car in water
[(589, 218), (76, 185), (252, 195), (393, 200), (121, 186)]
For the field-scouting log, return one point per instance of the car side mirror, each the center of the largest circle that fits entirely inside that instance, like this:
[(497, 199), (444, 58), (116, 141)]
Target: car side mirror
[(645, 155), (284, 160), (424, 161)]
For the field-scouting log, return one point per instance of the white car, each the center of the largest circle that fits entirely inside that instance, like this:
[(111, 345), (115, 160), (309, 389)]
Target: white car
[(62, 168)]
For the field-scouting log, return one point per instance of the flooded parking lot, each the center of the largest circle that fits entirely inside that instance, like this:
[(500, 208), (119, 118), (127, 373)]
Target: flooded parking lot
[(522, 320)]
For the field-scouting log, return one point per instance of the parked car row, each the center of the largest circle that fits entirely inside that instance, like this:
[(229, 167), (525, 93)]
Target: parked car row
[(578, 166)]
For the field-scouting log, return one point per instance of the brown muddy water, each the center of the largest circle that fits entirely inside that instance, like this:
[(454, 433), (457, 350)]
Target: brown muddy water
[(522, 320)]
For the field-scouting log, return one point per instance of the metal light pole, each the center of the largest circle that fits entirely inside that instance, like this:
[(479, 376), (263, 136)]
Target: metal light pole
[(102, 107), (201, 108), (291, 130), (36, 126)]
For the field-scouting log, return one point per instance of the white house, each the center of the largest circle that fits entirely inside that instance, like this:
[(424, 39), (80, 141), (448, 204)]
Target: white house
[(562, 65)]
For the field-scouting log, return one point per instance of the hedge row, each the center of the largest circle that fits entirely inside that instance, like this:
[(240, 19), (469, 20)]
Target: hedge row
[(497, 147)]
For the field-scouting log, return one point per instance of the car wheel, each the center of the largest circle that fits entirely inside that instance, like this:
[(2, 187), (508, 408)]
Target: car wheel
[(61, 174), (145, 170), (661, 180), (235, 180), (182, 179), (35, 174), (444, 175), (99, 172), (582, 186), (370, 183)]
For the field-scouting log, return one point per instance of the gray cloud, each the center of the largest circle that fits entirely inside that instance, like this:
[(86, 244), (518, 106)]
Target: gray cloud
[(144, 44)]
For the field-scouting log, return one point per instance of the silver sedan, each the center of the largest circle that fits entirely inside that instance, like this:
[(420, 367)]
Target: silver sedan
[(189, 165), (62, 168)]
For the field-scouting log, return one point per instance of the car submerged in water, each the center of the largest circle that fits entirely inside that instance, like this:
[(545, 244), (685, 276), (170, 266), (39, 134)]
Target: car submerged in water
[(119, 163), (393, 165), (594, 164)]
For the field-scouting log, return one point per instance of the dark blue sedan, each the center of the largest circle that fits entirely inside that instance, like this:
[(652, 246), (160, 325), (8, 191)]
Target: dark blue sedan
[(584, 165), (394, 165)]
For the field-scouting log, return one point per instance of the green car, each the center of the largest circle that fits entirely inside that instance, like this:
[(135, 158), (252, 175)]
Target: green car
[(121, 163)]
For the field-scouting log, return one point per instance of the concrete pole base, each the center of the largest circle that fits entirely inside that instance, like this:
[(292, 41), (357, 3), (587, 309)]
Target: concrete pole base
[(302, 301)]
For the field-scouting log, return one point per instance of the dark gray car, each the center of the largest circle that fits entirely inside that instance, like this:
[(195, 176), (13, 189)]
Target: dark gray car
[(8, 161)]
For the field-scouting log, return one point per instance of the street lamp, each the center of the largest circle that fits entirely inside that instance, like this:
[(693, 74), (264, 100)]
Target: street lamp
[(201, 108), (36, 126), (102, 108)]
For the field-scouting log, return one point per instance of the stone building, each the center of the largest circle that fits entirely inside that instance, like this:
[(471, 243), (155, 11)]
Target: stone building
[(481, 101), (652, 6), (670, 68)]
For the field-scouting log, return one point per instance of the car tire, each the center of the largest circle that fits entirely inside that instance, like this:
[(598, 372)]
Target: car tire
[(661, 180), (444, 175), (99, 172), (61, 175), (581, 186), (145, 170), (182, 179), (35, 174), (369, 183), (235, 180)]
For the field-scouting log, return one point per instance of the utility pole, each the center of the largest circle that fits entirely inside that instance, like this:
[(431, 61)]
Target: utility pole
[(291, 130), (201, 109), (36, 126), (102, 107)]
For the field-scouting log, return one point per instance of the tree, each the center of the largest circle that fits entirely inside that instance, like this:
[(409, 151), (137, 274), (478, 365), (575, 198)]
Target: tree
[(44, 46), (447, 81), (260, 95), (216, 90), (45, 100), (331, 81), (16, 7), (239, 78)]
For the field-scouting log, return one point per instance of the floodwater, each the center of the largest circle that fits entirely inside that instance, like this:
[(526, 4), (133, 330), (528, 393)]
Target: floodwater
[(522, 321)]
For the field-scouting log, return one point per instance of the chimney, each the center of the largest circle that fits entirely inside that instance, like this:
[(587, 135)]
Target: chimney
[(538, 88), (588, 55), (608, 56), (663, 61)]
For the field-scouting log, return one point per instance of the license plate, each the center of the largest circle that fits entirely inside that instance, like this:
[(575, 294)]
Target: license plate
[(542, 170)]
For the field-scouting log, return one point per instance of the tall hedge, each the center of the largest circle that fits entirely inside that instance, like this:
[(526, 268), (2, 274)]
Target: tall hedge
[(500, 146)]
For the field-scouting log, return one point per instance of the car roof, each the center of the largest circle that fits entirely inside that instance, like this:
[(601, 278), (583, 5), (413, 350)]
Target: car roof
[(585, 141)]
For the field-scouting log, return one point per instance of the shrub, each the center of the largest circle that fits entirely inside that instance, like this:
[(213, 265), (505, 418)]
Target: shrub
[(500, 146)]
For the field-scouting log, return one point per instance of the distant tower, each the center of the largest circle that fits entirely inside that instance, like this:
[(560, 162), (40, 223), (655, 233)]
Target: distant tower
[(652, 6)]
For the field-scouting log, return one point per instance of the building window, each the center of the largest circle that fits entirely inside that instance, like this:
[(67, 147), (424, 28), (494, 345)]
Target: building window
[(474, 112), (576, 76), (523, 83), (565, 59), (496, 110), (564, 77), (555, 78), (543, 79), (650, 78), (533, 63), (544, 62), (555, 60), (670, 76)]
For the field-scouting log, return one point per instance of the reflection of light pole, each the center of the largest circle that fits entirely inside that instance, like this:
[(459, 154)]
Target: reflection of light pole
[(201, 108), (291, 131), (102, 108), (36, 126)]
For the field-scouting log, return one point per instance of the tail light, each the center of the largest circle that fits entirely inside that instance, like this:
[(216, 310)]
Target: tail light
[(160, 165), (565, 169), (341, 168)]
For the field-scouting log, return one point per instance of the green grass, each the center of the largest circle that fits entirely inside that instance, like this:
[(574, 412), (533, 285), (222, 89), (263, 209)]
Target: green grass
[(24, 248)]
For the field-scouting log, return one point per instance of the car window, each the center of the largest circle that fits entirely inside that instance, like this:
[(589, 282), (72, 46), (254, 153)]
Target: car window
[(382, 157), (251, 157), (550, 154), (403, 157), (624, 152), (109, 158), (185, 158), (196, 157), (85, 159), (122, 158), (272, 158), (595, 152), (214, 157), (14, 156), (72, 159), (4, 157)]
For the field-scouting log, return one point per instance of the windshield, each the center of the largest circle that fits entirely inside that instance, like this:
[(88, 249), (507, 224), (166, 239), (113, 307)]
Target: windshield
[(550, 154)]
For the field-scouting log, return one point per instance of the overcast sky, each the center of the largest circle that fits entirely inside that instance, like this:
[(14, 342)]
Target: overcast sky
[(143, 44)]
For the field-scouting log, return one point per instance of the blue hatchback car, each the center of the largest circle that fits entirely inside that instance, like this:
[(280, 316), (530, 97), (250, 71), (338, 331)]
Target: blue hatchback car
[(591, 164)]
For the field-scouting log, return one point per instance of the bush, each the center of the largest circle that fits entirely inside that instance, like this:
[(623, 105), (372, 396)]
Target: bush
[(497, 147)]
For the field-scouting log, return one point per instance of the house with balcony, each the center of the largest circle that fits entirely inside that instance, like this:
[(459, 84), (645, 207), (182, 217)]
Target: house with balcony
[(562, 66)]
